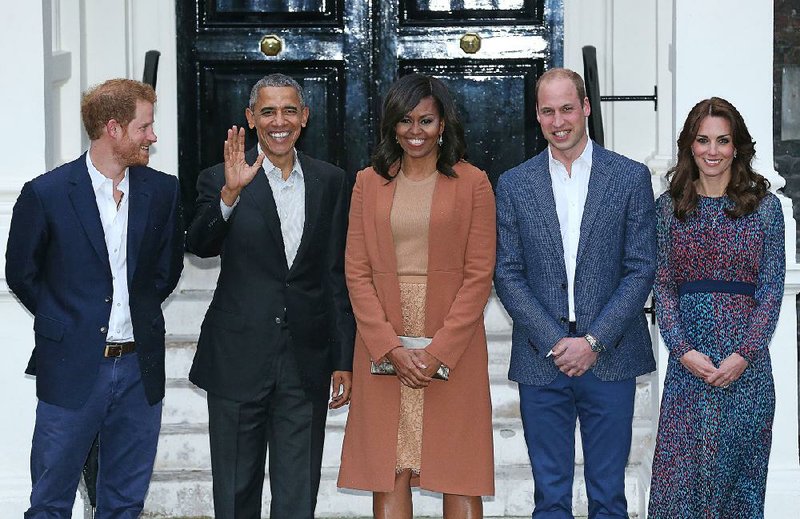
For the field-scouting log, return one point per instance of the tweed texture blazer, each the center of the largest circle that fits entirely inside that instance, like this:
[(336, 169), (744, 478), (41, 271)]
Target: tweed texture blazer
[(614, 273)]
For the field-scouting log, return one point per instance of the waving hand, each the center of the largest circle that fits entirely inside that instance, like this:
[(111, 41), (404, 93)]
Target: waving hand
[(238, 173)]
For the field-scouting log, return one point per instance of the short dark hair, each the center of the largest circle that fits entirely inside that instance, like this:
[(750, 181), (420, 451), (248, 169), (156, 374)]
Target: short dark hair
[(563, 73), (115, 99), (402, 97), (275, 80), (746, 187)]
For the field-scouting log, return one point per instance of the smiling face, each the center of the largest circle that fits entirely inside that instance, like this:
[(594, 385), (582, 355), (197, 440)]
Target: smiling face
[(278, 118), (133, 146), (713, 149), (418, 131), (562, 117)]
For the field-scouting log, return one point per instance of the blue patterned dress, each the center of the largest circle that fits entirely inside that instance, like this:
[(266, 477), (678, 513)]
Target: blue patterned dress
[(713, 444)]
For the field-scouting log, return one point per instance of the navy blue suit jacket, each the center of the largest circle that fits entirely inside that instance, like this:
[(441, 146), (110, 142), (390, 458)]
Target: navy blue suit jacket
[(57, 265), (614, 274)]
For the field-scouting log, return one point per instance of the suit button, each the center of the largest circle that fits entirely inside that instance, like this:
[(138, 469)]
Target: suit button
[(563, 319), (107, 300), (563, 286), (277, 320), (103, 329), (287, 285)]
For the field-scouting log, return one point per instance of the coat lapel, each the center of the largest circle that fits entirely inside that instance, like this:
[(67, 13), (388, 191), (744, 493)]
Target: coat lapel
[(84, 202), (138, 209), (313, 196), (383, 223), (259, 193), (599, 183), (443, 223), (541, 187)]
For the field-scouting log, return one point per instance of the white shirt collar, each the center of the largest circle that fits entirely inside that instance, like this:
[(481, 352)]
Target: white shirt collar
[(98, 179), (585, 156), (269, 167)]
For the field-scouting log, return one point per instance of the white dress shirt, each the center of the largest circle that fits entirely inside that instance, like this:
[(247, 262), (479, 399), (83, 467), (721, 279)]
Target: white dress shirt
[(115, 229), (290, 201), (570, 193)]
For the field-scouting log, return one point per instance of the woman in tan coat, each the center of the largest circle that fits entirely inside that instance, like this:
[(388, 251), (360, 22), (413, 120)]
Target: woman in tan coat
[(419, 262)]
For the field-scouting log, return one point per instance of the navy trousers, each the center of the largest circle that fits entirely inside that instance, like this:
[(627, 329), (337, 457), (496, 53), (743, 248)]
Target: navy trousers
[(128, 429), (548, 413)]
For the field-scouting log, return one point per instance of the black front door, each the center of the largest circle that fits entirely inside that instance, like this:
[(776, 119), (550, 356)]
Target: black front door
[(346, 53)]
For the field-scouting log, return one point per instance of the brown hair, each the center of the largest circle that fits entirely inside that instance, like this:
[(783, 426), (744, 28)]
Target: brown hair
[(746, 187), (563, 73), (114, 99)]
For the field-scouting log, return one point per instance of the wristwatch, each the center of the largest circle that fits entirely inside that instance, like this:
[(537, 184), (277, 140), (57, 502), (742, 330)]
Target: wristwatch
[(594, 343)]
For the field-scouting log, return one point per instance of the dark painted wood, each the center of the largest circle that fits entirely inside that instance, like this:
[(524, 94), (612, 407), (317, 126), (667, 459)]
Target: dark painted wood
[(346, 53)]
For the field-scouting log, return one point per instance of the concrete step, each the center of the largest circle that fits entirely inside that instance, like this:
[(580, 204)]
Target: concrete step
[(180, 353), (189, 493), (184, 446), (184, 442), (181, 485)]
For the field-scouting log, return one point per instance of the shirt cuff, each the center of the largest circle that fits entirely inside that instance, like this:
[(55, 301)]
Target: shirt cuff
[(226, 211)]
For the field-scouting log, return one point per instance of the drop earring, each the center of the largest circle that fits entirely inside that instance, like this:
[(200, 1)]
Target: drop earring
[(735, 153), (440, 140)]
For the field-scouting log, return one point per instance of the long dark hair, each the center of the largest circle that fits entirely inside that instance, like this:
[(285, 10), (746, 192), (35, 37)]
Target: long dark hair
[(746, 187), (402, 97)]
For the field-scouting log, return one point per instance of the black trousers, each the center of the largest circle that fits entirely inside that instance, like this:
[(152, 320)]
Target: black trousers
[(283, 417)]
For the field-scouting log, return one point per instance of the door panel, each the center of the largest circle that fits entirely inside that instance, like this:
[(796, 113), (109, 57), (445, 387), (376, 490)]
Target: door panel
[(493, 101), (267, 12), (220, 58), (226, 90), (493, 82), (346, 53), (501, 10)]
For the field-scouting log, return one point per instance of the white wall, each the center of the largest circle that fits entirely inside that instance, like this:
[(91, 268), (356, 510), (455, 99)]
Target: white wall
[(623, 31), (55, 49), (22, 139)]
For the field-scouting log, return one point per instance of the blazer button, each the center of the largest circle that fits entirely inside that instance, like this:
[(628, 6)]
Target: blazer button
[(277, 320), (563, 286), (103, 329), (107, 299), (563, 319)]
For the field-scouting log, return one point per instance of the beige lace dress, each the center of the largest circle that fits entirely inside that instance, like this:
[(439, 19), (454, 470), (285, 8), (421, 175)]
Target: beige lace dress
[(410, 217)]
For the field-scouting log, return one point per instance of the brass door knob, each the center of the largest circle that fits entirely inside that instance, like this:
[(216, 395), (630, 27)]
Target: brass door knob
[(271, 45), (470, 43)]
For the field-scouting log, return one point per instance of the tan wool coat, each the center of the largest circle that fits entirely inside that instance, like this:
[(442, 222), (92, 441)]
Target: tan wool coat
[(457, 448)]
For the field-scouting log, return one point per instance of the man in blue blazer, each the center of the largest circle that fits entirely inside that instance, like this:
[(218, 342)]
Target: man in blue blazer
[(575, 263), (94, 248)]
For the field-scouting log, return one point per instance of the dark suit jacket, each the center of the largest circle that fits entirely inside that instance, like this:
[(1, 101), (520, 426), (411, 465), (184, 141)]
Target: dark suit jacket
[(257, 294), (614, 273), (57, 265)]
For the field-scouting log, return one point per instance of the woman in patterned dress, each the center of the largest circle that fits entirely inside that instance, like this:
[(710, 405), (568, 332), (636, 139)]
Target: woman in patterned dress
[(718, 290), (419, 261)]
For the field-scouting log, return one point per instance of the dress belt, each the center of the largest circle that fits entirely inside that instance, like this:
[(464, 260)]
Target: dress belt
[(715, 285), (118, 349)]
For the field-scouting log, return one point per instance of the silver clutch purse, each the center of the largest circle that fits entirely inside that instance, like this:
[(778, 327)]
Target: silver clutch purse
[(411, 343)]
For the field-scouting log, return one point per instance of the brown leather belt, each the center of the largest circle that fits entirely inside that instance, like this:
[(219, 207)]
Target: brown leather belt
[(118, 349)]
